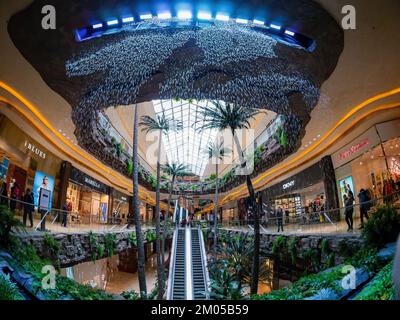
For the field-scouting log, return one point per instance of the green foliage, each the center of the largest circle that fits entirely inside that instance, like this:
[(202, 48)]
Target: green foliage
[(311, 258), (8, 224), (380, 288), (367, 258), (110, 243), (223, 285), (8, 289), (278, 244), (150, 235), (234, 261), (100, 251), (258, 153), (292, 249), (52, 244), (281, 136), (94, 245), (132, 239), (26, 259), (129, 166), (119, 149), (306, 286), (347, 250), (383, 227), (131, 295)]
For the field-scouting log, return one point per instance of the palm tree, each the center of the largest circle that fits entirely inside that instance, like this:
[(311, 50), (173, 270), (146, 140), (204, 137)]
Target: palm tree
[(162, 125), (173, 170), (216, 151), (228, 116), (136, 210)]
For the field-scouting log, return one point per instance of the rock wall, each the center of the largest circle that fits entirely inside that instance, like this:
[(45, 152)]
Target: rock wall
[(75, 247), (337, 243)]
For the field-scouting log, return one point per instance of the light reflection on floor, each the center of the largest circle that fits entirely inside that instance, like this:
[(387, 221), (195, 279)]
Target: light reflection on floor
[(104, 274)]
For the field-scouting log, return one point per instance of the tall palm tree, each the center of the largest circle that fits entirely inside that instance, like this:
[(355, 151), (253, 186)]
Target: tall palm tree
[(136, 209), (163, 125), (218, 152), (228, 116), (173, 170)]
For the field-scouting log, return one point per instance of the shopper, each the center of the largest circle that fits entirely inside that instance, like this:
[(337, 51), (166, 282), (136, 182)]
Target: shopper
[(4, 195), (28, 206), (15, 194), (67, 208), (348, 203), (362, 199), (279, 217)]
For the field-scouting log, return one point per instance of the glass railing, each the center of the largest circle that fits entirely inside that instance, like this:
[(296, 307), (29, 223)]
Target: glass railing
[(62, 221), (317, 222)]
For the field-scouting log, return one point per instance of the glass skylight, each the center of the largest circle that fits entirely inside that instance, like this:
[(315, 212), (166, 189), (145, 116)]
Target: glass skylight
[(186, 146)]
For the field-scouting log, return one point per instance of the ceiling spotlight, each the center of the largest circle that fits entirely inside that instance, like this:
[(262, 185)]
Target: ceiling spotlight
[(243, 21), (127, 19), (275, 26), (164, 15), (146, 16), (222, 17), (97, 26), (204, 15), (184, 15), (289, 33), (112, 22), (259, 22)]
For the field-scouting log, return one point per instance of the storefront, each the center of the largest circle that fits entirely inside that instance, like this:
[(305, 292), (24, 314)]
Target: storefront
[(90, 199), (26, 164), (310, 190), (370, 162), (120, 208)]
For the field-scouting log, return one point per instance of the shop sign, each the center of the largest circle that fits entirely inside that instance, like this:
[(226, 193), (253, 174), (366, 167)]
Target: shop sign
[(80, 177), (35, 149), (288, 185), (353, 149), (92, 183)]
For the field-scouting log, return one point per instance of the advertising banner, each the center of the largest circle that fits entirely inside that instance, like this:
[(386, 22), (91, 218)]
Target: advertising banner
[(42, 181)]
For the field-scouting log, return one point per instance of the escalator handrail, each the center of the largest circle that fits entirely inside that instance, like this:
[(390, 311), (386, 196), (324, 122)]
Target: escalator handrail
[(170, 285), (204, 261)]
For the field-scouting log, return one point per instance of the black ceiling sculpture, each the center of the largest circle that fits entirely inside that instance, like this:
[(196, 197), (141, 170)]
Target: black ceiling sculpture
[(220, 60)]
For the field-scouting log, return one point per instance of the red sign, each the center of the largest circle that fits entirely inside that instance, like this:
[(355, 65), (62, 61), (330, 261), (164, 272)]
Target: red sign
[(353, 149)]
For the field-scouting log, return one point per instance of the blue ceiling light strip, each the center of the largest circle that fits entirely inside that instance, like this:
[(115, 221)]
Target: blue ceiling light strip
[(203, 18)]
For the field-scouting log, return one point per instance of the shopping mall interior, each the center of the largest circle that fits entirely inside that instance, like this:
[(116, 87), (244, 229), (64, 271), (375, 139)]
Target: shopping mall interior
[(199, 150)]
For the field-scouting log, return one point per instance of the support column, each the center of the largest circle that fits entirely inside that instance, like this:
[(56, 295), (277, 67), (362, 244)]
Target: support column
[(65, 174), (110, 206), (329, 178)]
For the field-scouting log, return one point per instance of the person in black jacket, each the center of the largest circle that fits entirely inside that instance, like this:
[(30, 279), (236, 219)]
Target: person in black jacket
[(362, 198), (279, 216), (28, 206), (348, 203), (4, 195)]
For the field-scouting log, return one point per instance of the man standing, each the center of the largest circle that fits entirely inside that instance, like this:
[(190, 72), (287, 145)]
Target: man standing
[(279, 216), (28, 206), (362, 199), (67, 208)]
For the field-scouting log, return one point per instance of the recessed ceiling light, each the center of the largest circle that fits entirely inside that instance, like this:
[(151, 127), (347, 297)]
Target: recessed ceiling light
[(184, 14), (127, 19), (146, 16), (164, 15), (97, 26), (242, 21), (289, 33), (259, 22), (222, 17), (204, 15), (112, 22), (275, 26)]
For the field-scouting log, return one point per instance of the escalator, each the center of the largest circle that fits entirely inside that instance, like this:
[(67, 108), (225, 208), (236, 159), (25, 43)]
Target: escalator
[(188, 274)]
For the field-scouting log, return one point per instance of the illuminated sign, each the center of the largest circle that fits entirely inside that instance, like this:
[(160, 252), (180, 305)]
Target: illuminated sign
[(35, 150), (288, 185), (92, 183), (353, 149)]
